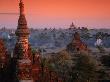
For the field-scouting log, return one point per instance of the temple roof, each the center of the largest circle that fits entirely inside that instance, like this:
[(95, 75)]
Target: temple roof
[(22, 29)]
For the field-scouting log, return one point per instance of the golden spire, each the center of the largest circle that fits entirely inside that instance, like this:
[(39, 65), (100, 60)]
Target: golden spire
[(21, 6)]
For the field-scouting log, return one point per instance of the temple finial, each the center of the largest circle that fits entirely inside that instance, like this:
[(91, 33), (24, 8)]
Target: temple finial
[(21, 6), (21, 1)]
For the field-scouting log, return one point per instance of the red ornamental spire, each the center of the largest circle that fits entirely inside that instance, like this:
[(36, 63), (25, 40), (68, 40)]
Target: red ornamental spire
[(22, 29), (21, 6), (22, 33)]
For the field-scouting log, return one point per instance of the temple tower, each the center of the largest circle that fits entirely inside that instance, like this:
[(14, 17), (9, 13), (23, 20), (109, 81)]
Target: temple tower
[(77, 45), (22, 34), (22, 51)]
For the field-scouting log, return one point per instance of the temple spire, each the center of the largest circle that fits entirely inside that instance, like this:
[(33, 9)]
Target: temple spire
[(22, 51), (22, 29), (21, 6)]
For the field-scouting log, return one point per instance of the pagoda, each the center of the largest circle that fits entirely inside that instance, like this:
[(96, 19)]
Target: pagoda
[(22, 51), (77, 45), (72, 26)]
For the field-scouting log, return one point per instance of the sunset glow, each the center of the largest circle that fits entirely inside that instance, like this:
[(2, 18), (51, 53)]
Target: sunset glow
[(57, 13)]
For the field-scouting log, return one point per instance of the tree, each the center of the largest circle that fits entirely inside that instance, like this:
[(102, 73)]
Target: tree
[(62, 64), (105, 59), (84, 69), (43, 65)]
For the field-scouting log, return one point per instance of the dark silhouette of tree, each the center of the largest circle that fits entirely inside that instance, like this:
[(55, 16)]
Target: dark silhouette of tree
[(85, 69), (105, 59), (7, 65)]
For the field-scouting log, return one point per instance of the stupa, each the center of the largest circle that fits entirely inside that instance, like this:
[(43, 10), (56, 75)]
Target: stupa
[(22, 51)]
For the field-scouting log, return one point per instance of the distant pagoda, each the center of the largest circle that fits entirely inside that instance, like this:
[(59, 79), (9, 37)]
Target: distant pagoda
[(77, 45), (22, 51), (72, 26)]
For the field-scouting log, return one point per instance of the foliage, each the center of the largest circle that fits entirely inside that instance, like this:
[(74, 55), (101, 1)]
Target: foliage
[(81, 70), (105, 59), (85, 69)]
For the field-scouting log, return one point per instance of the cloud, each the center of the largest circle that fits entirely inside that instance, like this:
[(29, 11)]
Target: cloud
[(9, 13)]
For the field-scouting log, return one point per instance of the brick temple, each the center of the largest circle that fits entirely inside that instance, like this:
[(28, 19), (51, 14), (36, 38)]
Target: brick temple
[(77, 45)]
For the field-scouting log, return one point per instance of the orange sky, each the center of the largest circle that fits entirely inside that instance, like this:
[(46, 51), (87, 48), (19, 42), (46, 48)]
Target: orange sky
[(58, 13)]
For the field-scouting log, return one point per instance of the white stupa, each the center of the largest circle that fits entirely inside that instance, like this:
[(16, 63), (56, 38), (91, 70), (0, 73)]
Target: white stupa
[(98, 42)]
